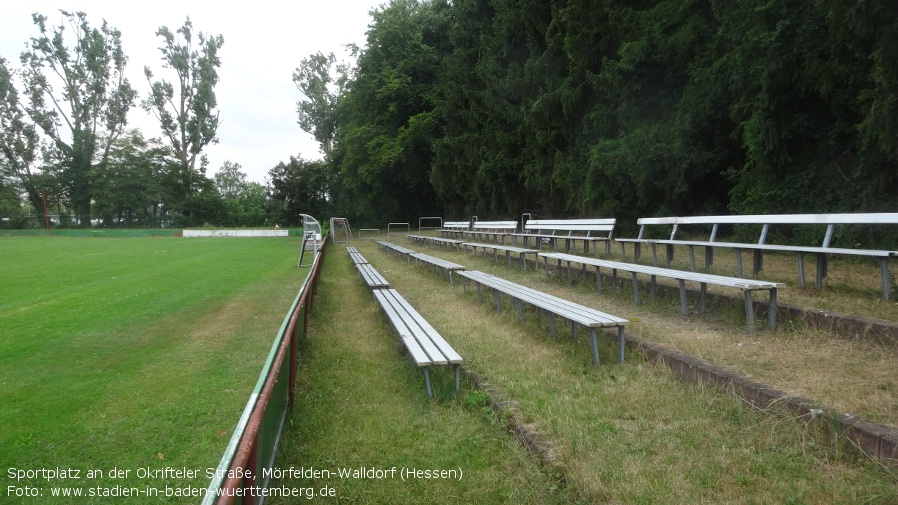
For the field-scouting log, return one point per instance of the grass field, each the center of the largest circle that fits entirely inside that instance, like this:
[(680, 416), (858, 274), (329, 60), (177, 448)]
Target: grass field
[(139, 354), (628, 434), (132, 353)]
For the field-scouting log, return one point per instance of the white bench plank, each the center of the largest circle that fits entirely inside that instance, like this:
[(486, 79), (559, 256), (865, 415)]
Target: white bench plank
[(371, 276), (745, 285), (507, 249), (823, 251), (425, 345), (591, 318)]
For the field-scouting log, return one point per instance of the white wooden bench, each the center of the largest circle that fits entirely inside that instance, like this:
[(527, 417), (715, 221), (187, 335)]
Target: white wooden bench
[(492, 230), (822, 252), (425, 346), (446, 243), (507, 249), (590, 318), (746, 285), (587, 230), (434, 262), (355, 256), (394, 249), (454, 228), (371, 276)]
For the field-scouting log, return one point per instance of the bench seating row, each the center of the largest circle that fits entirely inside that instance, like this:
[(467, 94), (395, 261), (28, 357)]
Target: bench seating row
[(394, 249), (822, 252), (507, 249), (595, 231), (445, 243), (437, 263), (577, 314), (424, 344), (552, 231), (747, 286)]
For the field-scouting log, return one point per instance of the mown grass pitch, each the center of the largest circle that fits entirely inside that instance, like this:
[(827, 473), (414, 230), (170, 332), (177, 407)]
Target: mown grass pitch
[(132, 353)]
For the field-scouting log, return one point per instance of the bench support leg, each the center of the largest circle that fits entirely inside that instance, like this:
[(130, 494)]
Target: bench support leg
[(479, 293), (614, 280), (654, 254), (670, 255), (520, 306), (427, 382), (684, 307), (552, 324), (496, 299), (801, 269), (569, 280), (598, 281), (709, 258), (758, 262), (771, 314), (739, 262), (595, 346), (704, 296), (620, 344), (749, 312), (886, 281), (692, 257), (635, 282), (821, 269)]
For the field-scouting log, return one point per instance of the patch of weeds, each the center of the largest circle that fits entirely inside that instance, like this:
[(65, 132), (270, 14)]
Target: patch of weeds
[(478, 400)]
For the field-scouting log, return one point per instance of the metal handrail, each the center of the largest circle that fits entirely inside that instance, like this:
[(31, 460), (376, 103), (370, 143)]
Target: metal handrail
[(390, 228), (421, 219)]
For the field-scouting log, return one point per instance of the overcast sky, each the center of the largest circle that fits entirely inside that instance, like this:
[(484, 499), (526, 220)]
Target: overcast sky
[(264, 41)]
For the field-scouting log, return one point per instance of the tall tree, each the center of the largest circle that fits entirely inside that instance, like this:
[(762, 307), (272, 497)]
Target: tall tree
[(299, 187), (387, 117), (128, 185), (187, 115), (18, 141), (230, 180), (82, 86), (318, 111)]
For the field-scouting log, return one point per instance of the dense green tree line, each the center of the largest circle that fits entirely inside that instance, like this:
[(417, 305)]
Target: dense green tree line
[(570, 108), (562, 108)]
